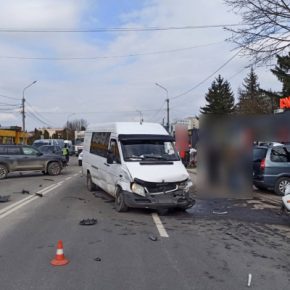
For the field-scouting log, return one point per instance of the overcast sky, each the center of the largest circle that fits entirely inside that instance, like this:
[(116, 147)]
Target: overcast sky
[(113, 88)]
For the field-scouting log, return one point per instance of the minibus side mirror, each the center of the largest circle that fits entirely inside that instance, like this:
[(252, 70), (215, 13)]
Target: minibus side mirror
[(110, 157)]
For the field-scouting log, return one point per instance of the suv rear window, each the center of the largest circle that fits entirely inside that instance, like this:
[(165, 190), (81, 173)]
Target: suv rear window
[(259, 154), (280, 154)]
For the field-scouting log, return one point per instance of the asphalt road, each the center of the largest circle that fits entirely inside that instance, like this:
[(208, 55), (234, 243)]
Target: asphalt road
[(215, 245)]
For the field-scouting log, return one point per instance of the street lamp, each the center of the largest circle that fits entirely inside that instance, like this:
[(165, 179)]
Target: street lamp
[(23, 105), (167, 101), (67, 124)]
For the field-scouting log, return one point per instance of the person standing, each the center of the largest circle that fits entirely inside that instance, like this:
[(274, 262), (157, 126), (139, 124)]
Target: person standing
[(65, 153)]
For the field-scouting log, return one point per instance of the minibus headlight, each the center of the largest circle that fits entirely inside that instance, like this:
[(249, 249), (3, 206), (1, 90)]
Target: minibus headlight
[(138, 189)]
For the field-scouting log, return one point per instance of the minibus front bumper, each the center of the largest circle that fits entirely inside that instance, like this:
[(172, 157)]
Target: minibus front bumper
[(177, 199)]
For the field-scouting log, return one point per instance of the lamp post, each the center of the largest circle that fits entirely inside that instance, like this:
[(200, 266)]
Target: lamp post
[(167, 101), (23, 105), (67, 124)]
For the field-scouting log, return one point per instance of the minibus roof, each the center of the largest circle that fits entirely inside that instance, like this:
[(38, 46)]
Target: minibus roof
[(131, 128)]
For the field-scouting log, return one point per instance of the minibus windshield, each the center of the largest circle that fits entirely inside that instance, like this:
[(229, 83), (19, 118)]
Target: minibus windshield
[(137, 150)]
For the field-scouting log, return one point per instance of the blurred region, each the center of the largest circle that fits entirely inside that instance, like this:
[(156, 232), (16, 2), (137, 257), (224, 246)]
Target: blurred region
[(225, 152)]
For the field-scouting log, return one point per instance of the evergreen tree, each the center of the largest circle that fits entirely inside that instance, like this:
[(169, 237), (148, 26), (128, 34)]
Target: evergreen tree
[(282, 72), (253, 100), (220, 98)]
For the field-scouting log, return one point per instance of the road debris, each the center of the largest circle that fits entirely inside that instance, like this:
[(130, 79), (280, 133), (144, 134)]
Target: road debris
[(39, 194), (219, 212), (98, 259), (24, 191), (88, 222), (75, 197), (152, 238), (4, 198), (49, 179), (249, 280)]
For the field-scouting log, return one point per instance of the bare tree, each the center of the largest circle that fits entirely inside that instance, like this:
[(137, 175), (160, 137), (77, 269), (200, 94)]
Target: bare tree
[(76, 125), (265, 28)]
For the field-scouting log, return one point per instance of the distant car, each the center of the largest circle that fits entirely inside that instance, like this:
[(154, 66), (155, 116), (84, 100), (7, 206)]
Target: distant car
[(51, 150), (271, 167), (80, 158), (41, 142), (27, 158)]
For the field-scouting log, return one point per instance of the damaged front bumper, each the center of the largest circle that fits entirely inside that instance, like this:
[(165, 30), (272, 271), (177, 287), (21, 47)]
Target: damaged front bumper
[(177, 199)]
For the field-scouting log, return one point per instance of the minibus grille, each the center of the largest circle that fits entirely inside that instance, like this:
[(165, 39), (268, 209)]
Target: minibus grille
[(162, 188)]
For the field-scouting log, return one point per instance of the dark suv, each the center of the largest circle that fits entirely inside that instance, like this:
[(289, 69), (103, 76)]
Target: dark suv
[(271, 167), (27, 158)]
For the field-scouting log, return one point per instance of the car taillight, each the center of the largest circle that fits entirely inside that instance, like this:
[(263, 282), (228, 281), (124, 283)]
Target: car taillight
[(263, 164)]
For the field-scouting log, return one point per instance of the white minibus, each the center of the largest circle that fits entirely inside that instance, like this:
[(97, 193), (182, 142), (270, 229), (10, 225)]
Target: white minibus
[(137, 164)]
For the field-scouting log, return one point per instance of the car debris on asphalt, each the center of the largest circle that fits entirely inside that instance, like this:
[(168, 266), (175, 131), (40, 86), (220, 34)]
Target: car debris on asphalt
[(152, 238), (24, 191), (98, 259), (88, 222), (249, 279), (219, 212)]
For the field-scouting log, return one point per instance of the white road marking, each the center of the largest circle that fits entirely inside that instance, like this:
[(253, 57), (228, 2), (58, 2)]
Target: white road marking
[(17, 205), (50, 189), (159, 225), (32, 198)]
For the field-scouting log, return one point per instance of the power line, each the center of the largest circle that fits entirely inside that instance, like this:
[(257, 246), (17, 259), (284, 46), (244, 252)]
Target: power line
[(158, 112), (8, 104), (9, 97), (38, 115), (98, 112), (207, 78), (119, 29), (31, 115), (111, 56), (237, 73), (7, 110)]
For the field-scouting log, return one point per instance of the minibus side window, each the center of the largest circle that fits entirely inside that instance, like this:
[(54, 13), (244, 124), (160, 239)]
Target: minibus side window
[(115, 150), (99, 143)]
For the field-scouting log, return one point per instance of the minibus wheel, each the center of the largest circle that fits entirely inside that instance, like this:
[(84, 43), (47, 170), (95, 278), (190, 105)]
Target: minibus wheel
[(90, 185), (120, 202)]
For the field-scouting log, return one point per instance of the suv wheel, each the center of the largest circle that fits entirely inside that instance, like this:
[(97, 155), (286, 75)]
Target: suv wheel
[(54, 168), (281, 184), (3, 171)]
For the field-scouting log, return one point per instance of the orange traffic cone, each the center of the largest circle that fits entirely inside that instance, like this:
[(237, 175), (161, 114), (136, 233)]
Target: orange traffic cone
[(59, 259)]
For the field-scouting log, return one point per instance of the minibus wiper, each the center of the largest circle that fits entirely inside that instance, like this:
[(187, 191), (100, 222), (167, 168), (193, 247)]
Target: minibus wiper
[(158, 157), (134, 157)]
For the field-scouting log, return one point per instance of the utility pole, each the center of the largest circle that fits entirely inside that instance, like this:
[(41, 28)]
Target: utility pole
[(23, 105), (167, 101), (168, 126)]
